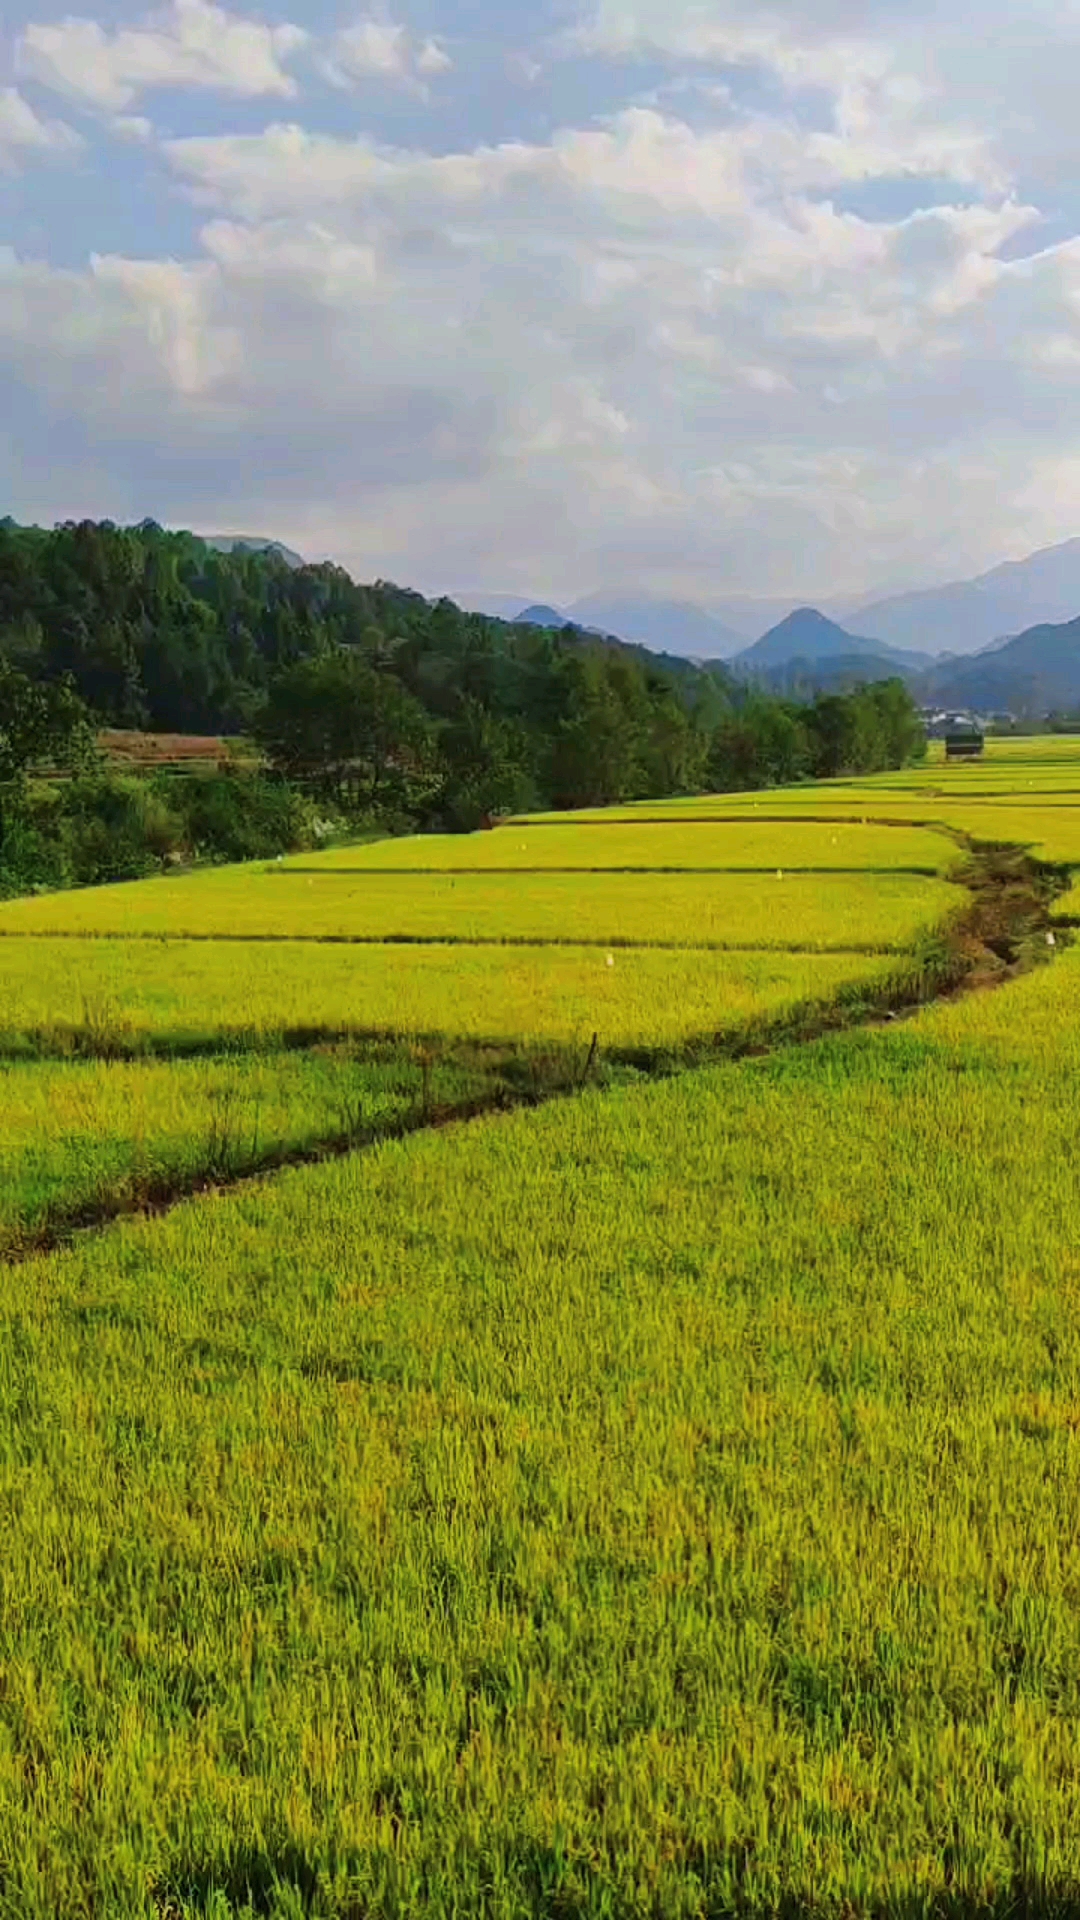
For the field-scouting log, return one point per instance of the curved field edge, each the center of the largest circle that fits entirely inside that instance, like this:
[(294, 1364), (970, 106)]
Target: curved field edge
[(98, 1136), (355, 1094)]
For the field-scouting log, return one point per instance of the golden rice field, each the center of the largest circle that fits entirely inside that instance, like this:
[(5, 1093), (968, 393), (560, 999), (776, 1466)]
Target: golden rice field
[(786, 909), (655, 1505), (79, 1139), (648, 847), (177, 994)]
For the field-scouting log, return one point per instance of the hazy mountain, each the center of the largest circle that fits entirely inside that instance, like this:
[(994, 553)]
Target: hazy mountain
[(251, 543), (497, 606), (1034, 673), (968, 615), (750, 616), (665, 626), (808, 635), (541, 616)]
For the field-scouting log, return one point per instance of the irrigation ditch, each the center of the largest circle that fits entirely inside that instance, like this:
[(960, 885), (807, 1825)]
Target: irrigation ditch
[(1004, 931)]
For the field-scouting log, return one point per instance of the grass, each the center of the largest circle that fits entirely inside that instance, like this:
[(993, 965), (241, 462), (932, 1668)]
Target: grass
[(883, 913), (659, 1505), (121, 997)]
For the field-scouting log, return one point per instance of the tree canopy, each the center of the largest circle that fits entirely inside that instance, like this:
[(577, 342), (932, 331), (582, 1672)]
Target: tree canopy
[(389, 703)]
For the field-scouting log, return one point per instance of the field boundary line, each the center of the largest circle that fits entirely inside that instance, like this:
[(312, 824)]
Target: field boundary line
[(755, 817), (538, 873), (613, 943)]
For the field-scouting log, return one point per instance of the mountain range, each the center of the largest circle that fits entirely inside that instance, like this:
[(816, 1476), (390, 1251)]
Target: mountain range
[(962, 617), (966, 616), (1037, 672), (1006, 641)]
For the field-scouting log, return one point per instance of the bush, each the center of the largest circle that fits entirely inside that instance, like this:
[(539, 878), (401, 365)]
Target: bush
[(239, 816), (107, 827), (116, 828)]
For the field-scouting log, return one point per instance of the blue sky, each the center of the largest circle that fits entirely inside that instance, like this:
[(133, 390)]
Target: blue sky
[(678, 295)]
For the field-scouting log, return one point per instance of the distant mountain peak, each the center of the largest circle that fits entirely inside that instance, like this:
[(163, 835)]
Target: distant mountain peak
[(806, 634), (541, 616)]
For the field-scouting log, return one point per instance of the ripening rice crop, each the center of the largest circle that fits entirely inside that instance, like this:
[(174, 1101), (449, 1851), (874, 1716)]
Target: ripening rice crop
[(121, 995), (81, 1137), (659, 1504), (882, 912), (648, 846), (663, 1503)]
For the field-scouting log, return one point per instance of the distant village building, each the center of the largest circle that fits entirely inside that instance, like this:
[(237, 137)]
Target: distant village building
[(964, 739), (964, 734)]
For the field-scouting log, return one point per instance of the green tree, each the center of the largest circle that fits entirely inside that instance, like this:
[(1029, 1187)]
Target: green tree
[(39, 722), (593, 757), (352, 733), (487, 769)]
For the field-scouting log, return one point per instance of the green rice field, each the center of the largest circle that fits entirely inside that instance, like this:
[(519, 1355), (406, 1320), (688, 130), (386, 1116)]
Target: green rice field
[(423, 1495)]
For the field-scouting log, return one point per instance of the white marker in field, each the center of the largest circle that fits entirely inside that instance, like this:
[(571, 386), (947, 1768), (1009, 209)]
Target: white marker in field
[(611, 960)]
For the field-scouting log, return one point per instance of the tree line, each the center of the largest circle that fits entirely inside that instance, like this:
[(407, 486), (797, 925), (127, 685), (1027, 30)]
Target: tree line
[(373, 702)]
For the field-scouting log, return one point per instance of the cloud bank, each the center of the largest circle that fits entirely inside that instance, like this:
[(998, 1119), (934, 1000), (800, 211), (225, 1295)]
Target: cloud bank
[(799, 310)]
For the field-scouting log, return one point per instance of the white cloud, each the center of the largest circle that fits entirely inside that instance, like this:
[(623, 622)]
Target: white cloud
[(379, 49), (132, 126), (371, 47), (635, 346), (433, 58), (23, 133), (638, 348), (193, 43), (910, 81)]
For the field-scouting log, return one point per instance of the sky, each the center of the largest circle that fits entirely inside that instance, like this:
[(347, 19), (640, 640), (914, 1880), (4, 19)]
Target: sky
[(686, 296)]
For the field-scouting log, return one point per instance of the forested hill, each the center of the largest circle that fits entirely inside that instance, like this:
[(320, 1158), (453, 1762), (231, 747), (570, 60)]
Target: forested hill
[(166, 631), (386, 699)]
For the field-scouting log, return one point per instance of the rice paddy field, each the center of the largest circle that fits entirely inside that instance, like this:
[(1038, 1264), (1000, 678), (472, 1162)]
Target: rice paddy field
[(62, 996), (787, 909), (446, 1499)]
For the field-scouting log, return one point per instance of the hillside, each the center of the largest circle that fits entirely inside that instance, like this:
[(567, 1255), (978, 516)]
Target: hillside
[(1036, 673), (371, 705), (803, 678)]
